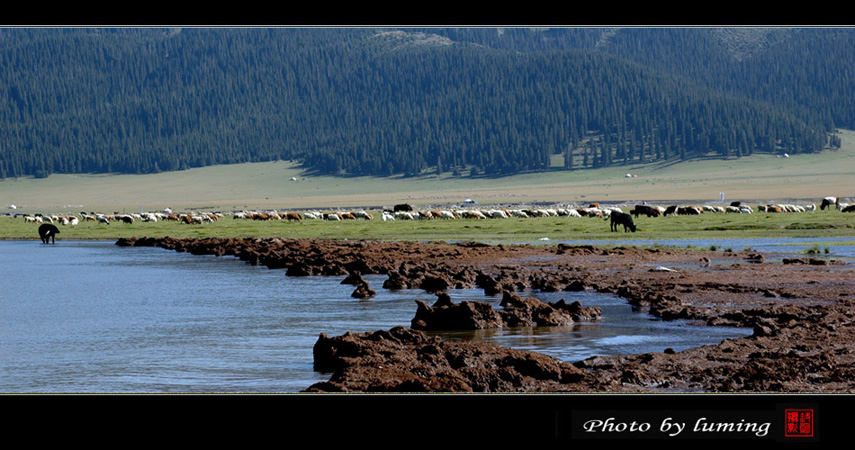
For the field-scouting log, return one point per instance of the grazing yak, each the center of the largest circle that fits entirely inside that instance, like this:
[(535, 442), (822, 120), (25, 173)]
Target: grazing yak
[(402, 207), (649, 211), (619, 218), (48, 232)]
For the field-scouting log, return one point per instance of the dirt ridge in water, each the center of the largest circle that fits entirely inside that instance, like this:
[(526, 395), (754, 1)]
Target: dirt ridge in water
[(800, 309)]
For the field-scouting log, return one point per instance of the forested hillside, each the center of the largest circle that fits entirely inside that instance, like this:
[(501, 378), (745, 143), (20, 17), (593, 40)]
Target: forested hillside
[(366, 101)]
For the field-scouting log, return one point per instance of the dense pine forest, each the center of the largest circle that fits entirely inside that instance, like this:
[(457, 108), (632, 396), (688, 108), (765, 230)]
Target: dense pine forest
[(371, 101)]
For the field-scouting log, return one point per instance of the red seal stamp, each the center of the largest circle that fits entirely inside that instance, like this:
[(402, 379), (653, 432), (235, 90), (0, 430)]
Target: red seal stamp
[(798, 423)]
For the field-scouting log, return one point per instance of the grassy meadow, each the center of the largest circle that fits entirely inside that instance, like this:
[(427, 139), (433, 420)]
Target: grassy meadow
[(713, 226), (758, 179)]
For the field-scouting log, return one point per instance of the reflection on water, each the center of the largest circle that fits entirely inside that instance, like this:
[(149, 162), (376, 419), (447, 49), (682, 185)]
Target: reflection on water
[(94, 317)]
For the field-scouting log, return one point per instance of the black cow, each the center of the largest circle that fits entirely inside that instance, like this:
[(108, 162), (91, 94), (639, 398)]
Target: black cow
[(403, 207), (48, 232), (619, 218), (648, 211)]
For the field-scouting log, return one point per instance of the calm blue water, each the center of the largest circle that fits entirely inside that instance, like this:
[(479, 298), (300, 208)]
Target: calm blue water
[(94, 317)]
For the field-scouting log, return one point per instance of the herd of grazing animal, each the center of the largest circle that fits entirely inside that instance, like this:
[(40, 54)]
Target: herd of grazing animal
[(107, 219), (614, 215), (52, 219), (734, 207), (739, 208), (408, 213)]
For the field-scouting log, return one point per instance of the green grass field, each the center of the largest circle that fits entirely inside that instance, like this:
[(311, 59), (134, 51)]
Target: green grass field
[(708, 225), (760, 178)]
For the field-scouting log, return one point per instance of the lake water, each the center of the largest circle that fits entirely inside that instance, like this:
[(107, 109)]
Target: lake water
[(94, 317)]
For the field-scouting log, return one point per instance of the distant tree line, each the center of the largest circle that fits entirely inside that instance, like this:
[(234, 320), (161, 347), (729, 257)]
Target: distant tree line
[(382, 102)]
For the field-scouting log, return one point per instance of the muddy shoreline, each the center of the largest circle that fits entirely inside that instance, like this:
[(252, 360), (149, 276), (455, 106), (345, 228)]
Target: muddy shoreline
[(800, 309)]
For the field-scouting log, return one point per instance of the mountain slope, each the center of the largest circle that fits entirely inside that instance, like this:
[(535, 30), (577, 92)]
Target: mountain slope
[(368, 101)]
